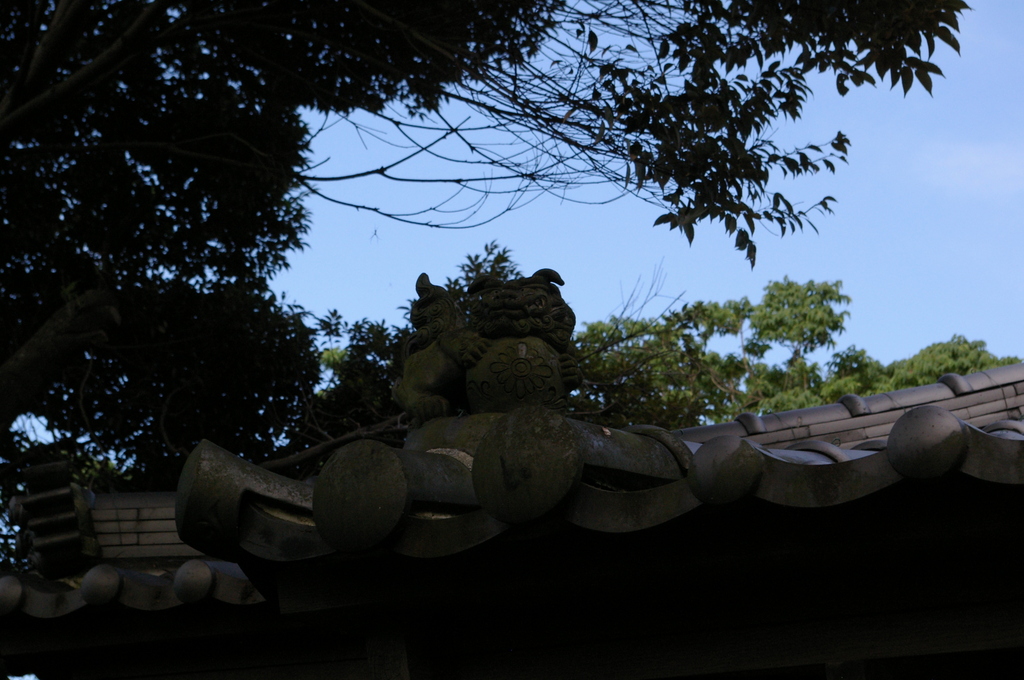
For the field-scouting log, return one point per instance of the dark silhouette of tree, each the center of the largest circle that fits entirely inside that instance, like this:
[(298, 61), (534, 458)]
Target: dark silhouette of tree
[(151, 183)]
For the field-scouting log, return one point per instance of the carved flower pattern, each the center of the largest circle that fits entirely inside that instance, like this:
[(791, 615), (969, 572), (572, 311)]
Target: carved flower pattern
[(522, 374)]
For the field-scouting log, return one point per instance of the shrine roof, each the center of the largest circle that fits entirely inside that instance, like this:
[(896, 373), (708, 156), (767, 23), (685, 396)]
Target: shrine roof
[(979, 399), (441, 501), (99, 549), (151, 589)]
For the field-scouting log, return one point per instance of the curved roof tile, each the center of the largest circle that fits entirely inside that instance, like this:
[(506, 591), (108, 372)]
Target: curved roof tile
[(983, 397), (103, 584), (618, 481)]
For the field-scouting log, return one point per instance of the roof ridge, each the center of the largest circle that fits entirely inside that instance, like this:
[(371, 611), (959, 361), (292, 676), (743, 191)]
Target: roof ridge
[(948, 388)]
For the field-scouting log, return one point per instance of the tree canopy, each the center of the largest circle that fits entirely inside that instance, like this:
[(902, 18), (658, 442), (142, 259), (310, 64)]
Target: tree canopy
[(708, 362), (155, 158), (151, 184), (676, 102)]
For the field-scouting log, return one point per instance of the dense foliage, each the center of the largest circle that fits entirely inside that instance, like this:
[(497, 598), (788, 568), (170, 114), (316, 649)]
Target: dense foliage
[(150, 185), (708, 361)]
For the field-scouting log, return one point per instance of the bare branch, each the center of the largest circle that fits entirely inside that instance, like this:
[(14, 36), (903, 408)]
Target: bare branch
[(393, 424)]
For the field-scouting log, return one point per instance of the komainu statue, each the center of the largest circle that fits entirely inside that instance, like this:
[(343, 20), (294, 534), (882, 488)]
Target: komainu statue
[(515, 351)]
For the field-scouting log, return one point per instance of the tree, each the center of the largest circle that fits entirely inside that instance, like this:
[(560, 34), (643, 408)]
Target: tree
[(675, 102), (151, 185), (664, 370), (155, 160)]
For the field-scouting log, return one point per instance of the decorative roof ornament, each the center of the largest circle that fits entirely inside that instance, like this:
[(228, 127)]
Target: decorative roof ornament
[(487, 395), (516, 351), (492, 447)]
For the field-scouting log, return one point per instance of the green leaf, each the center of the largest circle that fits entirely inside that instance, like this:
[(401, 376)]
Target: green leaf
[(742, 239), (925, 80), (841, 85), (688, 230), (945, 35)]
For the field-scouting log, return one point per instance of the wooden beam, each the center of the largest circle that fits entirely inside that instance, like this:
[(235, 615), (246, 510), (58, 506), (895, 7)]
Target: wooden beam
[(845, 670), (386, 651), (736, 649)]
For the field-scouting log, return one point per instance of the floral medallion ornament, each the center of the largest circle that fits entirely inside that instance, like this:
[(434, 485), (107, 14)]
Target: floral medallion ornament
[(523, 373)]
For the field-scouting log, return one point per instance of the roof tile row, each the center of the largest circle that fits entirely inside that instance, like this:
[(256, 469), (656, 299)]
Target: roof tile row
[(887, 438), (856, 418), (104, 584)]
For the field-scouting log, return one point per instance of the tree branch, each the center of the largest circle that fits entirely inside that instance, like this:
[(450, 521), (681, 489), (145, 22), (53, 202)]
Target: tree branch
[(391, 424), (106, 63), (28, 454), (25, 375)]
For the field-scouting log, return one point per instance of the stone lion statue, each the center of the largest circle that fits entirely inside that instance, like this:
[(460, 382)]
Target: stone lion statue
[(515, 350)]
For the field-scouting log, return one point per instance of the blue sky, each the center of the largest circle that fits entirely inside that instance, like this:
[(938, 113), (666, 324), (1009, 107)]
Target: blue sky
[(926, 235)]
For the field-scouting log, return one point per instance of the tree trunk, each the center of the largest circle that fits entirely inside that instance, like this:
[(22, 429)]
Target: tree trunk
[(29, 372)]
